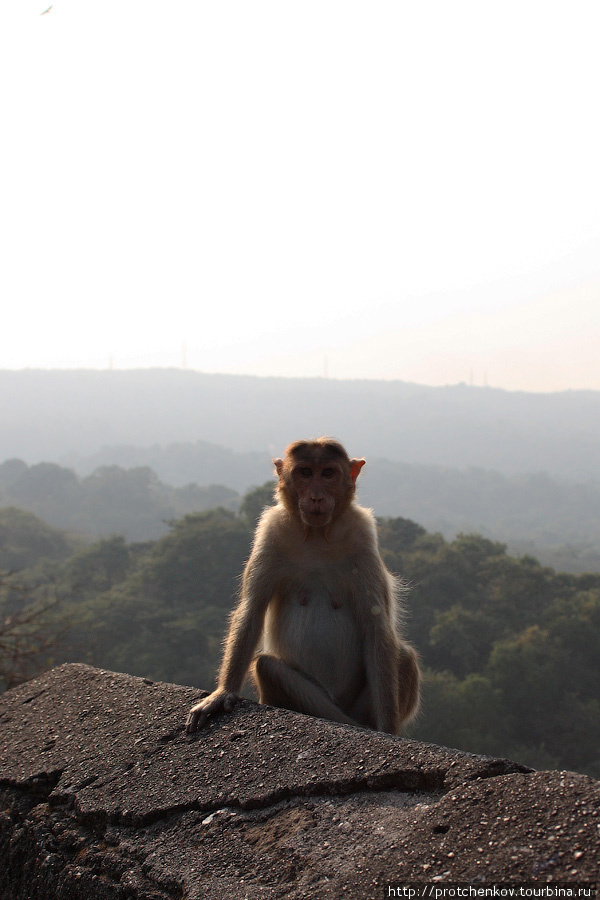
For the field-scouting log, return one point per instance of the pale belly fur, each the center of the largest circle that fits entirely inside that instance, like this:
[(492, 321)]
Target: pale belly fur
[(309, 633)]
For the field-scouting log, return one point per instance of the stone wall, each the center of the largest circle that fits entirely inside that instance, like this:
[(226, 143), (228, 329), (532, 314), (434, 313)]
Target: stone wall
[(105, 796)]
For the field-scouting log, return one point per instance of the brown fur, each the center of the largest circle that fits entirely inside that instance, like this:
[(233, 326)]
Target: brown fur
[(317, 592)]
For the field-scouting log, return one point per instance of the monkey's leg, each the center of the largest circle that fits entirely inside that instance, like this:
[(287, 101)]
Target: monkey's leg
[(280, 685), (408, 692), (362, 709)]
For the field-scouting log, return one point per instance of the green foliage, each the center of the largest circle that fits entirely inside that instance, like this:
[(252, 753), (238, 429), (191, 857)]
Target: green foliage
[(31, 628), (159, 609), (556, 522), (97, 568), (461, 639), (399, 535), (510, 647), (202, 557), (255, 501), (25, 539), (548, 679), (463, 713)]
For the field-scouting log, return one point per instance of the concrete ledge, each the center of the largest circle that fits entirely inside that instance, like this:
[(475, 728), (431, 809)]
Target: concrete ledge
[(105, 796)]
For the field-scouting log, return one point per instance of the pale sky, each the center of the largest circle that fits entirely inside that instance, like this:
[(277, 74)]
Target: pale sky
[(374, 190)]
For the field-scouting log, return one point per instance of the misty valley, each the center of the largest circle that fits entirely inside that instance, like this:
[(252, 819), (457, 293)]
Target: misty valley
[(123, 549), (508, 646), (118, 491)]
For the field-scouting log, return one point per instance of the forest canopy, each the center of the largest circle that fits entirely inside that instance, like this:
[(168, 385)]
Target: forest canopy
[(509, 647), (136, 491)]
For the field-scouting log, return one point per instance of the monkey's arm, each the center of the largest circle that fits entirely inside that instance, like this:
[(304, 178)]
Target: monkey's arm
[(382, 674), (381, 658), (244, 633)]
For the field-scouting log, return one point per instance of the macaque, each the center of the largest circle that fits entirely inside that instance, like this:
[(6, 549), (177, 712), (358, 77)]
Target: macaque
[(317, 595)]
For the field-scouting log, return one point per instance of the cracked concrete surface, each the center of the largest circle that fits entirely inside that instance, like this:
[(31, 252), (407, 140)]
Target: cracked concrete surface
[(105, 796)]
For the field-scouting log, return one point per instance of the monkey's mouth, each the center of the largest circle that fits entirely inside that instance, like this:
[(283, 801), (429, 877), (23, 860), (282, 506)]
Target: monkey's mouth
[(317, 517)]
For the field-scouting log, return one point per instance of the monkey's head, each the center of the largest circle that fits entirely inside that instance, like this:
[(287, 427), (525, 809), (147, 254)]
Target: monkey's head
[(317, 480)]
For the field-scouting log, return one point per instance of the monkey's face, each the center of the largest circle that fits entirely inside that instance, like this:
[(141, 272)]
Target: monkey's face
[(317, 480), (321, 489)]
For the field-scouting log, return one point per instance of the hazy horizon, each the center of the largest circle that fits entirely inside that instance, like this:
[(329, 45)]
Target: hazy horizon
[(470, 379), (471, 383), (399, 192)]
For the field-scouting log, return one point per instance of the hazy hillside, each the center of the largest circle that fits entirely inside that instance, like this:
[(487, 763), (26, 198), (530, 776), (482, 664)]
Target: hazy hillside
[(180, 464), (515, 508), (111, 500), (557, 522), (49, 415)]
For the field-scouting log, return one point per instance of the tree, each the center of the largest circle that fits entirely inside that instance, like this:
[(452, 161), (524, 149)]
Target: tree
[(28, 635), (462, 639), (255, 501), (25, 539), (98, 567)]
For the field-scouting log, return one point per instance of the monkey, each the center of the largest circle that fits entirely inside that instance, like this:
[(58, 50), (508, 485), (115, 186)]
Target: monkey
[(317, 592)]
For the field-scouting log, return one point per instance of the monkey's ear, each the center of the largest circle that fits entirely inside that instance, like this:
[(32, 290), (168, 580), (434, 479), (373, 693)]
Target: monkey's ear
[(278, 463), (355, 467)]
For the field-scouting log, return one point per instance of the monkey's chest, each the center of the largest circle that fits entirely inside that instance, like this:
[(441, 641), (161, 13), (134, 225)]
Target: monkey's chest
[(315, 631)]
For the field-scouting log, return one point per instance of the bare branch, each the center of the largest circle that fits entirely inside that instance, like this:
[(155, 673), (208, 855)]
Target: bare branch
[(27, 634)]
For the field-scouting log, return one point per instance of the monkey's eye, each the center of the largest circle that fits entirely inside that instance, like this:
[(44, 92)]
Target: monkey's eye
[(328, 473), (305, 472)]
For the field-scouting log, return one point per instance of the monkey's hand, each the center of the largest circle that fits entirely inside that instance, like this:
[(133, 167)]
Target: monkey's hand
[(214, 703)]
